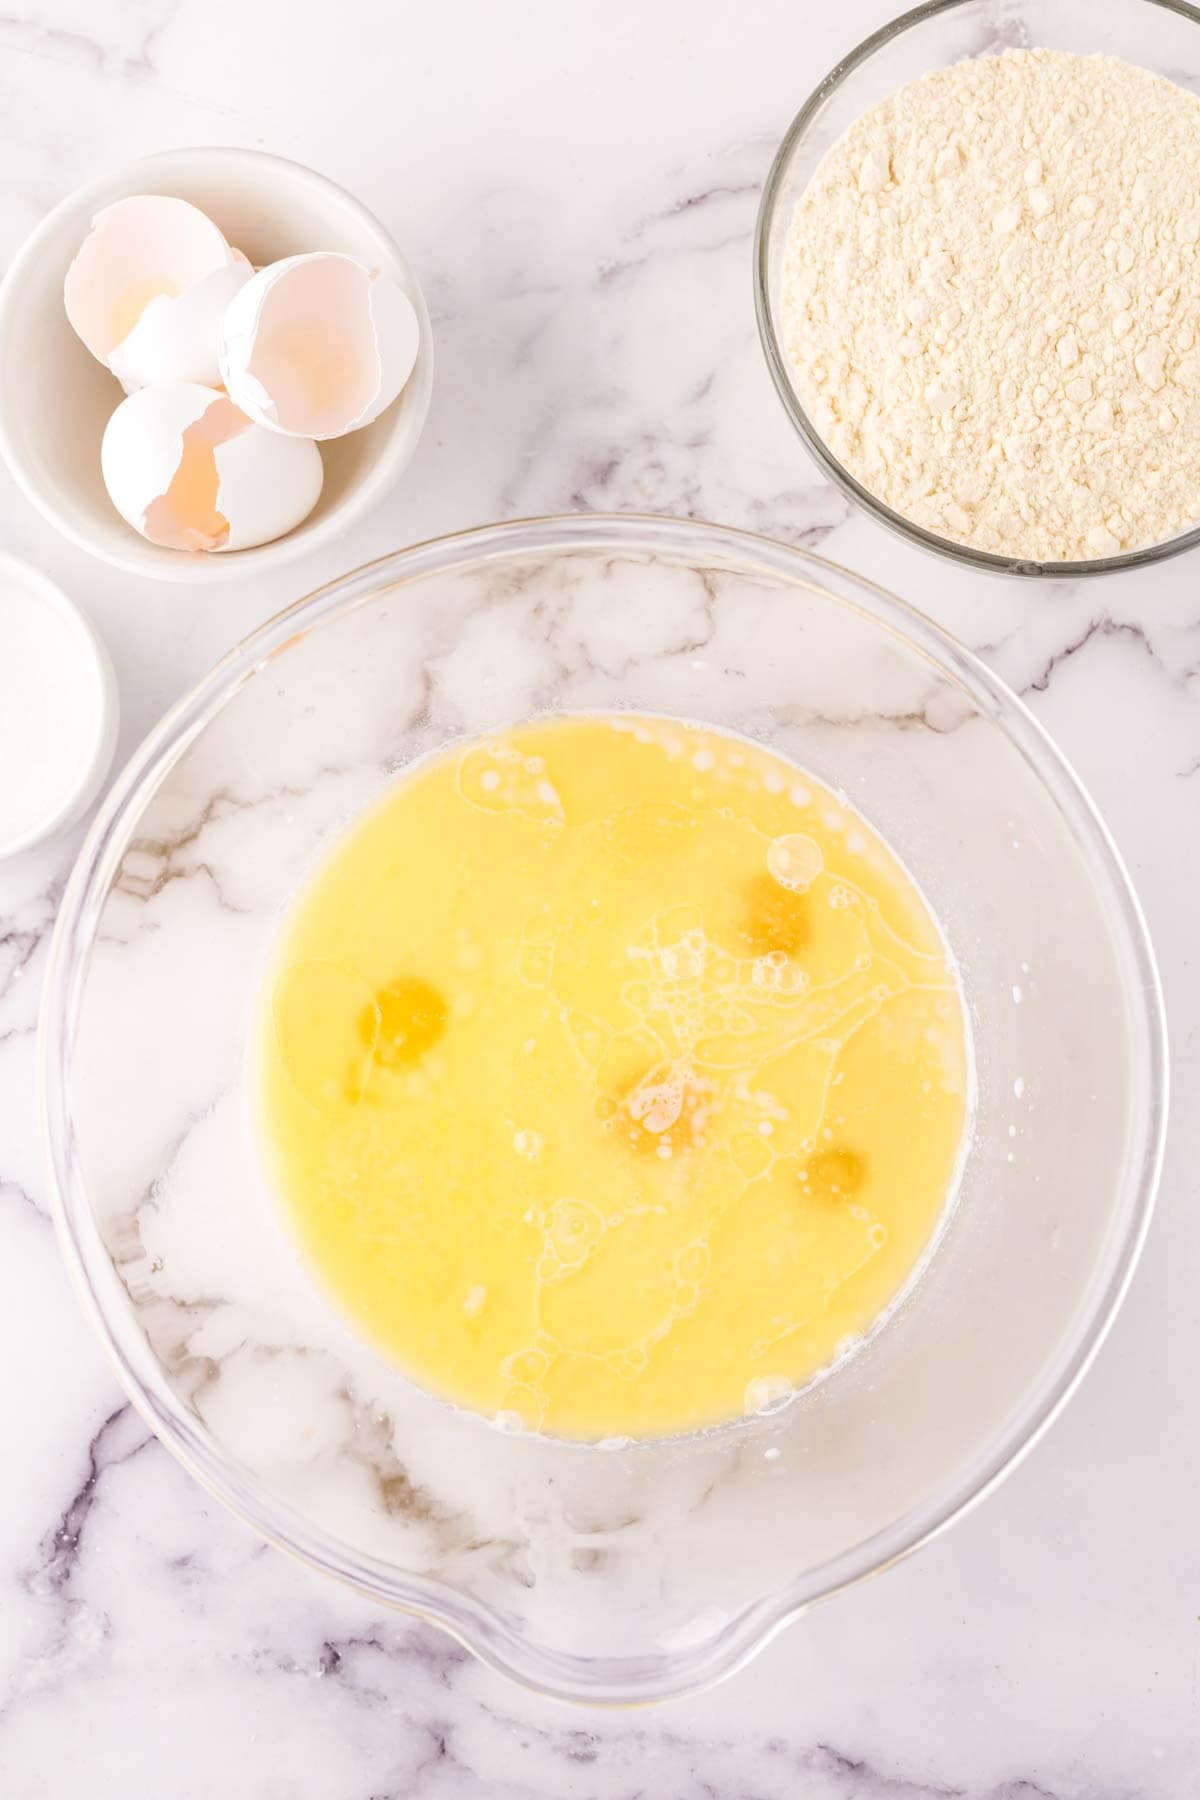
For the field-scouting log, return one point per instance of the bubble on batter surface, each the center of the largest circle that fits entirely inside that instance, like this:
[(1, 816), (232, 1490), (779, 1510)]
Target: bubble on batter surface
[(495, 777), (795, 860), (572, 1229), (535, 954), (527, 1366), (589, 1036), (665, 1108), (776, 973), (768, 1393)]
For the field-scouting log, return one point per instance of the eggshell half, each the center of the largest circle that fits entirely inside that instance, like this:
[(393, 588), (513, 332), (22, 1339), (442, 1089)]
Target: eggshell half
[(318, 345), (266, 484), (146, 248), (189, 471), (179, 339)]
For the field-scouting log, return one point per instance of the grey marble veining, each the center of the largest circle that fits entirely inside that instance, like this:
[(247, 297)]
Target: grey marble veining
[(577, 187)]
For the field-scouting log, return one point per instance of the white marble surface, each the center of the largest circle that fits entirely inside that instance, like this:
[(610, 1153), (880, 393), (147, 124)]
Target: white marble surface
[(577, 187)]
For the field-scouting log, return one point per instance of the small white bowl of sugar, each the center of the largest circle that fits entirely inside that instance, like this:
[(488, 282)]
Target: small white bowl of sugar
[(58, 709)]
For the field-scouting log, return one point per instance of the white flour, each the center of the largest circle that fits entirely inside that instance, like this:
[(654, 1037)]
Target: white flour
[(992, 304)]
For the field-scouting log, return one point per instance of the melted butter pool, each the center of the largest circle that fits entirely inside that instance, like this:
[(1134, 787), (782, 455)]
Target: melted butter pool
[(613, 1075)]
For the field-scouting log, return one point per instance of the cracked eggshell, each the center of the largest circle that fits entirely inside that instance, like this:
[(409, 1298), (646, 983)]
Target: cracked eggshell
[(189, 471), (179, 339), (318, 345), (148, 289)]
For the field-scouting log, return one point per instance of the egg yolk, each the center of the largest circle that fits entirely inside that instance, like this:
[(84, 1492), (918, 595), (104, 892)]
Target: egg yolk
[(834, 1174), (773, 918), (409, 1017)]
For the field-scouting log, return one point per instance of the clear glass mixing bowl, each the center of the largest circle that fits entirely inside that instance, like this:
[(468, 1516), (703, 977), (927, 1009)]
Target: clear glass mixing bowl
[(1160, 35), (600, 1574)]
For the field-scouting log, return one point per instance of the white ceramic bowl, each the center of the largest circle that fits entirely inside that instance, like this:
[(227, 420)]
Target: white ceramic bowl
[(87, 651), (56, 399)]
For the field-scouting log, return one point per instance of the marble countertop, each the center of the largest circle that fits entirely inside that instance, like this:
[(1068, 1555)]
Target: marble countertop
[(577, 187)]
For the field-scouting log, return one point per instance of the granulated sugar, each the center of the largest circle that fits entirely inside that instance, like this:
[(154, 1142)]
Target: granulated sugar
[(991, 304)]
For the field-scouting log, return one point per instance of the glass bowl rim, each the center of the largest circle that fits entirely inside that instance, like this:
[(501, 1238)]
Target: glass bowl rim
[(658, 1675), (776, 360)]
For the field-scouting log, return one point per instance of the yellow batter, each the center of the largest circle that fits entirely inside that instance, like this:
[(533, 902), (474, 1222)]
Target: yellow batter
[(614, 1075)]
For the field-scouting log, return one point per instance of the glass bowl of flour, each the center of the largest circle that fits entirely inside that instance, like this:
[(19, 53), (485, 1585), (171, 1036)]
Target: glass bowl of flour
[(977, 280)]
